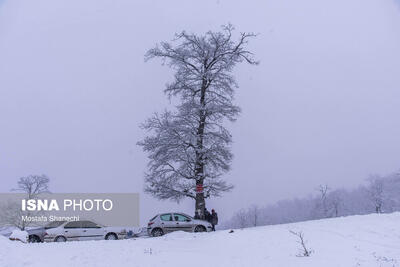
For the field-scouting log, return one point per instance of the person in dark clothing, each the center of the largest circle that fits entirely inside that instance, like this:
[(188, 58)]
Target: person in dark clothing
[(214, 219), (207, 215)]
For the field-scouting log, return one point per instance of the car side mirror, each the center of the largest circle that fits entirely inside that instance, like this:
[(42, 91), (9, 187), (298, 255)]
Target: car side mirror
[(188, 220)]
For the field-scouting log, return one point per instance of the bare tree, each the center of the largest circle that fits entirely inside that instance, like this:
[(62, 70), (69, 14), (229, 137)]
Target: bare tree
[(33, 185), (322, 206), (189, 149), (254, 215), (375, 191), (240, 219), (304, 251), (335, 201), (323, 190)]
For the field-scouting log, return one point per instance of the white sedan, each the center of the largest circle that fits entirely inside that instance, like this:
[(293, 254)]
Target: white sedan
[(83, 230), (176, 221)]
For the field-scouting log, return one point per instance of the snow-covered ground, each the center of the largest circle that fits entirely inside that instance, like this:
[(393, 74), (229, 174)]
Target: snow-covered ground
[(6, 231), (370, 240)]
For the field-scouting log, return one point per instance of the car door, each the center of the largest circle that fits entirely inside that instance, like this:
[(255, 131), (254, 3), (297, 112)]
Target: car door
[(183, 222), (72, 230), (91, 231), (167, 223)]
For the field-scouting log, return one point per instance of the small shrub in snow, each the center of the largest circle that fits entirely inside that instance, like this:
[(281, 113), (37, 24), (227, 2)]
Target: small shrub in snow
[(304, 251)]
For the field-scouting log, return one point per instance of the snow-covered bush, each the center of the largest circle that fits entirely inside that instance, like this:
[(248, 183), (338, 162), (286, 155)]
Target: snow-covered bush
[(19, 235)]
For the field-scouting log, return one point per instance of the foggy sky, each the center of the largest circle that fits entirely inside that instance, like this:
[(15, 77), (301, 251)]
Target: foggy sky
[(322, 107)]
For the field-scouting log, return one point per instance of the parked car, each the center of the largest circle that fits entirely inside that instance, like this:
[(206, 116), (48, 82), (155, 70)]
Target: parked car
[(83, 230), (36, 235), (175, 221)]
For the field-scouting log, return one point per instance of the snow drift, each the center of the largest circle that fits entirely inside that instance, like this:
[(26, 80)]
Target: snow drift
[(369, 240)]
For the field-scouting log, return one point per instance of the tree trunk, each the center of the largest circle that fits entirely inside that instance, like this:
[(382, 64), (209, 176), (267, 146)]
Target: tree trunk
[(200, 201), (199, 171)]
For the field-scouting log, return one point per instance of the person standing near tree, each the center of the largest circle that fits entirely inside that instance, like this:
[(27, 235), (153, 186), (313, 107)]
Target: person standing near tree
[(214, 219)]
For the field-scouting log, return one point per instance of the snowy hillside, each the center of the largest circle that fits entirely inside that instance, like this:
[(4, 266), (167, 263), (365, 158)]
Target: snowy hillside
[(370, 240)]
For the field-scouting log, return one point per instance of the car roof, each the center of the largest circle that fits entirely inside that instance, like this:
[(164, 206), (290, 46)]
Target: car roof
[(176, 212), (83, 220)]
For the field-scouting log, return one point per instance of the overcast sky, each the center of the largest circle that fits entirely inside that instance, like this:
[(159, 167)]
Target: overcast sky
[(322, 107)]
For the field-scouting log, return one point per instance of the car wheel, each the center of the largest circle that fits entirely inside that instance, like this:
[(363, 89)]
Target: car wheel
[(157, 232), (34, 239), (111, 236), (199, 228), (60, 239)]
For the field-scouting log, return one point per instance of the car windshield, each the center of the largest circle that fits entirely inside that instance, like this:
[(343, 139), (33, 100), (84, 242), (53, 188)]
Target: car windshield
[(53, 224)]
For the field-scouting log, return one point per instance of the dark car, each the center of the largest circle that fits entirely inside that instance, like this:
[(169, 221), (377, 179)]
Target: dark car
[(36, 235)]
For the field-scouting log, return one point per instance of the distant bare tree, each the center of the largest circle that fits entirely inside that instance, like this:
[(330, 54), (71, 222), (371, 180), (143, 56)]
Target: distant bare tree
[(189, 150), (33, 185), (335, 201), (240, 219), (323, 190), (254, 214), (322, 205), (375, 191)]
